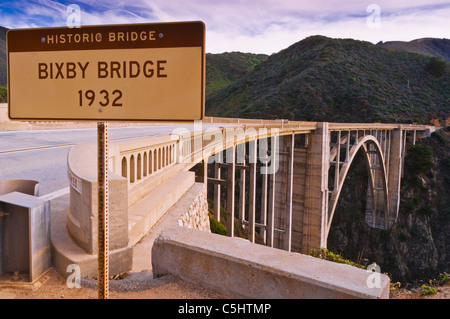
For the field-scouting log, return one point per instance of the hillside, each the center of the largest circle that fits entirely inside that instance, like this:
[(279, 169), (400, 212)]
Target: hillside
[(225, 68), (337, 80), (3, 70), (426, 46)]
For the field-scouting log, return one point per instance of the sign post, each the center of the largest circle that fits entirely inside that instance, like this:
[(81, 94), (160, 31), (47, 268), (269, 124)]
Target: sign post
[(103, 236), (136, 72)]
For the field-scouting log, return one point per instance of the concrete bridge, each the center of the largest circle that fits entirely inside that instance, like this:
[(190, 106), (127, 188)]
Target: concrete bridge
[(297, 169)]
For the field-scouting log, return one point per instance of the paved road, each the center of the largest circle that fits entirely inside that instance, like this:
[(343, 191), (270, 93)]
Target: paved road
[(41, 155)]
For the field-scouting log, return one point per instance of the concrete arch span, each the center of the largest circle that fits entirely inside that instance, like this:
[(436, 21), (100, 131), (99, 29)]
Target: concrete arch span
[(377, 207)]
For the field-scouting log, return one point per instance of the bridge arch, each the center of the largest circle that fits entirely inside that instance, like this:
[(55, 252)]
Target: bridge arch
[(377, 204)]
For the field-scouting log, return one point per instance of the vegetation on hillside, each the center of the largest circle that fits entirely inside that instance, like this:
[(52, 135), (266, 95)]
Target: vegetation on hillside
[(223, 69), (3, 94), (427, 46), (326, 254), (337, 80), (437, 67), (218, 226), (3, 70)]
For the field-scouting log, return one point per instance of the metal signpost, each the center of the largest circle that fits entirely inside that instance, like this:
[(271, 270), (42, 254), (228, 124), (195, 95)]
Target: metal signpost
[(136, 72), (102, 178)]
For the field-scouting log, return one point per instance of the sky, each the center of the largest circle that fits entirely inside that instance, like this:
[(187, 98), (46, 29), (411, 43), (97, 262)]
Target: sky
[(256, 26)]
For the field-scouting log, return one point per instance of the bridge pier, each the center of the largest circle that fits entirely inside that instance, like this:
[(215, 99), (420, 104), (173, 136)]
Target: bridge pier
[(315, 217), (217, 189), (252, 191), (395, 171), (231, 179), (283, 194)]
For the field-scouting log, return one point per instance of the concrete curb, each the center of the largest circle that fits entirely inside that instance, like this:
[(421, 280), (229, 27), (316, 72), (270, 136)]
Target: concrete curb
[(240, 269)]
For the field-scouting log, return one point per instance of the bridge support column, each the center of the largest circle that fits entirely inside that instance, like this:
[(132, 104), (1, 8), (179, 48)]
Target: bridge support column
[(252, 191), (242, 198), (395, 163), (283, 186), (231, 163), (217, 190), (289, 196), (271, 210), (263, 214), (316, 190), (298, 194)]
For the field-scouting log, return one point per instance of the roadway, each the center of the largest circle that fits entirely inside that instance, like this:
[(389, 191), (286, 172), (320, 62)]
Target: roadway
[(41, 155)]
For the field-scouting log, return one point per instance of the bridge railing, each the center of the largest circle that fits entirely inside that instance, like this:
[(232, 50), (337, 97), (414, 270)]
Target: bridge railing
[(142, 162), (142, 159)]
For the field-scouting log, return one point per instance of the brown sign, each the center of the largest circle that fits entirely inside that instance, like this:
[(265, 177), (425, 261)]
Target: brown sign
[(140, 72)]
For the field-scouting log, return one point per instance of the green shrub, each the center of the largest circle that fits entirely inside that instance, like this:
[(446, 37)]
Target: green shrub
[(438, 136), (216, 226), (427, 290), (403, 237), (426, 209), (3, 94), (419, 159), (415, 230), (446, 162), (324, 253), (436, 67), (408, 207), (444, 278), (447, 179), (416, 181)]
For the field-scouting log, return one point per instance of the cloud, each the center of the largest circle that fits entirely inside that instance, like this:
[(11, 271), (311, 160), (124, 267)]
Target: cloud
[(260, 26), (265, 26)]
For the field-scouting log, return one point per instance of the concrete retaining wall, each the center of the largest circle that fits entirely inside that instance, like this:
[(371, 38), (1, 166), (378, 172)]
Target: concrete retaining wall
[(240, 269), (196, 215)]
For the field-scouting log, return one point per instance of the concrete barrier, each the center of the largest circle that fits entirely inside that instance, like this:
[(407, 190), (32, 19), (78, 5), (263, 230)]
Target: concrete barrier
[(82, 216), (240, 269), (7, 124)]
